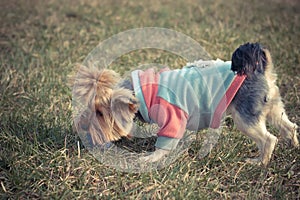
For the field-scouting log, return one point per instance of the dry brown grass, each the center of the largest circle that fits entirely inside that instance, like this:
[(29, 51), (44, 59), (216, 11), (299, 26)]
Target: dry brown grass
[(40, 42)]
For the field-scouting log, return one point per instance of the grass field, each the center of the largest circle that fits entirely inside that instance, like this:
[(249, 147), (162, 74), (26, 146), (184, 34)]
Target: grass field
[(40, 42)]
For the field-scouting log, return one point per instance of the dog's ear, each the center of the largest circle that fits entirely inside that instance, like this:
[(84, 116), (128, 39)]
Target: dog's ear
[(123, 107)]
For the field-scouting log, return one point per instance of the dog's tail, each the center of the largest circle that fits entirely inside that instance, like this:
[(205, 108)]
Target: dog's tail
[(271, 76), (252, 58)]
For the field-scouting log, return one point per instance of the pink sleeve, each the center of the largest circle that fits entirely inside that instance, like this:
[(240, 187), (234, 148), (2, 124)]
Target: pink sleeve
[(171, 119)]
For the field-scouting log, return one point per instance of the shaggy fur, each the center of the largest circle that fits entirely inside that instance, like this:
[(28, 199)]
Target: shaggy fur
[(258, 101), (113, 106)]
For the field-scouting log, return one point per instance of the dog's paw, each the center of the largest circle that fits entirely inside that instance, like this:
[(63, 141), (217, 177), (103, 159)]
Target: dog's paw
[(266, 153), (157, 155)]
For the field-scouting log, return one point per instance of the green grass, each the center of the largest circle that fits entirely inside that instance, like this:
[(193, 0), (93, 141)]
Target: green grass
[(40, 42)]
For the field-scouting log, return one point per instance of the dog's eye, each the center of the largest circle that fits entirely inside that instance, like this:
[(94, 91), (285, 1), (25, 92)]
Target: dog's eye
[(99, 113)]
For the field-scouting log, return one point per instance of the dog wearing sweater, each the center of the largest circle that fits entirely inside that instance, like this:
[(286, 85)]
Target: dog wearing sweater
[(194, 98)]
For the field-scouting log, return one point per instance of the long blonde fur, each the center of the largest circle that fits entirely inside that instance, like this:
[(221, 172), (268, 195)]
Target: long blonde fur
[(93, 91)]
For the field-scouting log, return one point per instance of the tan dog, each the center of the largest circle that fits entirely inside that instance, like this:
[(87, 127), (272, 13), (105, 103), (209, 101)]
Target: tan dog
[(115, 104)]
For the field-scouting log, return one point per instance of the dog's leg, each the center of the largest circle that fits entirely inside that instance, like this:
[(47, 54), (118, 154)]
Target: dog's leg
[(277, 117), (157, 155), (259, 134)]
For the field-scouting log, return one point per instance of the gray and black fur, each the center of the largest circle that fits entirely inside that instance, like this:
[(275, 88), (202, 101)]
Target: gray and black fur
[(250, 60), (257, 102)]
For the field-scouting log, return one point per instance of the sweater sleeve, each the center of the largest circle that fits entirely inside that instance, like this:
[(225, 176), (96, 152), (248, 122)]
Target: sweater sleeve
[(172, 122)]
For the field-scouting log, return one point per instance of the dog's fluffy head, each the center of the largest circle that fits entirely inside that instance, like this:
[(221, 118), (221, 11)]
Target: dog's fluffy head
[(110, 109), (251, 58)]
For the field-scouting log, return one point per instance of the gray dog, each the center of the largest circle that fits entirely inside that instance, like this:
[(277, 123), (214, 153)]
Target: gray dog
[(194, 97)]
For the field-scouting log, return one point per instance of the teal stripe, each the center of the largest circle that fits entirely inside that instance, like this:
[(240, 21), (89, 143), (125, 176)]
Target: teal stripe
[(194, 86), (139, 94)]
